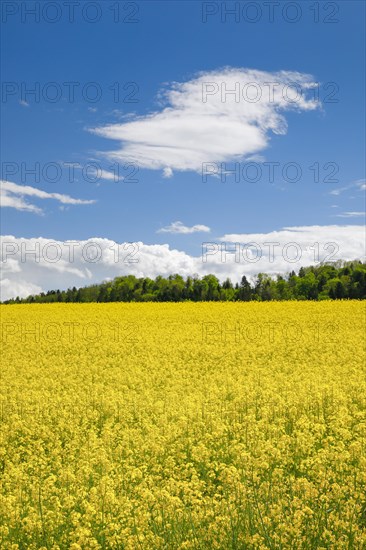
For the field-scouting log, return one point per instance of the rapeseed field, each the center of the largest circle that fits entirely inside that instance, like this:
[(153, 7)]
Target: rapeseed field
[(183, 426)]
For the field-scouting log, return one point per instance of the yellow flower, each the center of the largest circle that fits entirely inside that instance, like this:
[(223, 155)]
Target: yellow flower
[(186, 435)]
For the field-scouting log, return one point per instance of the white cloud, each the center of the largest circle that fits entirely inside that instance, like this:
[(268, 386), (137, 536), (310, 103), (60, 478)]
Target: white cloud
[(23, 103), (360, 184), (106, 175), (179, 227), (12, 201), (311, 244), (11, 196), (167, 173), (303, 234), (25, 275), (10, 288), (351, 215), (200, 125)]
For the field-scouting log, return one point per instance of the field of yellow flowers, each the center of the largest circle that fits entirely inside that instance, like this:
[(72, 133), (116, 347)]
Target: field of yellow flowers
[(183, 426)]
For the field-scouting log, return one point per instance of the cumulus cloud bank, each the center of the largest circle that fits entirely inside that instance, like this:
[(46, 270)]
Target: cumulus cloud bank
[(218, 116), (33, 265)]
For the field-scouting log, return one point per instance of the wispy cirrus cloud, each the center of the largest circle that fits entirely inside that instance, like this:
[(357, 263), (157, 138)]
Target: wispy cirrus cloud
[(351, 214), (198, 125), (12, 196), (179, 227), (360, 184)]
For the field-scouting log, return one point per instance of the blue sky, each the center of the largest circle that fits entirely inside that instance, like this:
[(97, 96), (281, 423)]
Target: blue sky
[(171, 43)]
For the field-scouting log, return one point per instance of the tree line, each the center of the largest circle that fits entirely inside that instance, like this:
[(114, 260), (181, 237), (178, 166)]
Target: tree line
[(340, 280)]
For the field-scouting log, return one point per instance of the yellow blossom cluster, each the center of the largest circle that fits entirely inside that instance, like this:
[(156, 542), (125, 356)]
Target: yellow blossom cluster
[(183, 426)]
